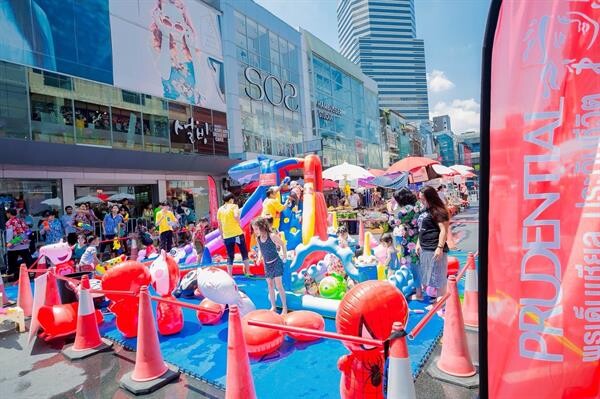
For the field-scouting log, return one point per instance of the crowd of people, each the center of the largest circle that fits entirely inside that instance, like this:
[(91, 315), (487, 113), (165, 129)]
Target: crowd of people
[(96, 235)]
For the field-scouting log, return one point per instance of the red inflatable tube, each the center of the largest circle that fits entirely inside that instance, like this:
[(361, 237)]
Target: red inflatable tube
[(60, 320), (209, 317), (305, 319), (260, 340), (169, 317)]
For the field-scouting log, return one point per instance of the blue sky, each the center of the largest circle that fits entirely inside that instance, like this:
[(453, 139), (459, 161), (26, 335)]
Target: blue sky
[(453, 33)]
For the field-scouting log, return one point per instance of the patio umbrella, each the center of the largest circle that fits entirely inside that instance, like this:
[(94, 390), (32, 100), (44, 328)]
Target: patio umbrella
[(461, 168), (329, 184), (443, 170), (88, 198), (410, 163), (377, 172), (53, 202), (121, 196), (346, 171)]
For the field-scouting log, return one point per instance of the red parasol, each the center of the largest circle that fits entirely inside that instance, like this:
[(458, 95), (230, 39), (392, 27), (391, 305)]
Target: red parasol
[(377, 172), (329, 184), (410, 163)]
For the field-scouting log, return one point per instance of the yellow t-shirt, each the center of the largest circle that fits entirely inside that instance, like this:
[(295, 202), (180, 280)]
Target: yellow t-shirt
[(164, 220), (272, 208), (229, 224)]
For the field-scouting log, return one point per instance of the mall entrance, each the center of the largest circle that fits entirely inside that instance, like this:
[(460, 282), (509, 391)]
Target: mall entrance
[(138, 196)]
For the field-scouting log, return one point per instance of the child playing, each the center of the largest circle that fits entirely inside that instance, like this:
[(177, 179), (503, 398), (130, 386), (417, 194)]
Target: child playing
[(200, 236), (268, 242), (89, 259), (342, 234), (79, 248), (392, 262)]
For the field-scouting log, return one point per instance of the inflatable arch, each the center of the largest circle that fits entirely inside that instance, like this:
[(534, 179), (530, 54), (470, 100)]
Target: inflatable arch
[(317, 245)]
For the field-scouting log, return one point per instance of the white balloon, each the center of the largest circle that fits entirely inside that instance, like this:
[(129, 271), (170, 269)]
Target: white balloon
[(218, 286)]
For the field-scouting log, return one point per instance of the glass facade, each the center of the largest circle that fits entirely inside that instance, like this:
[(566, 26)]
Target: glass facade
[(16, 193), (345, 114), (269, 89), (192, 194), (47, 106)]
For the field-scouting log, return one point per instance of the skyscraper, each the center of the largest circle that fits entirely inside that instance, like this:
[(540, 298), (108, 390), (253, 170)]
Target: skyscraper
[(380, 36)]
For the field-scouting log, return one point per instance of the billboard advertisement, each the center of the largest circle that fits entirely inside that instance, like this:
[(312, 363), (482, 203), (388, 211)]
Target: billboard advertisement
[(541, 227), (170, 49), (66, 36)]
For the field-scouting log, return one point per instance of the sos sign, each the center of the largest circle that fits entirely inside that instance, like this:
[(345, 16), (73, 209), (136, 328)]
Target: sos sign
[(282, 93)]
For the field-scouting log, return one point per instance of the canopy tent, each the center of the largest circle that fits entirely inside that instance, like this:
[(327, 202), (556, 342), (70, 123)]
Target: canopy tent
[(53, 202), (330, 184), (443, 170)]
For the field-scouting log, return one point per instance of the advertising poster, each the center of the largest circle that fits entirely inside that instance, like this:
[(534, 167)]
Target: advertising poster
[(170, 49), (67, 36), (543, 247)]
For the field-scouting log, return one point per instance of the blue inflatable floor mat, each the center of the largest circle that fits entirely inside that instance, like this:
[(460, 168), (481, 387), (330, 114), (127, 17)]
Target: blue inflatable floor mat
[(295, 371)]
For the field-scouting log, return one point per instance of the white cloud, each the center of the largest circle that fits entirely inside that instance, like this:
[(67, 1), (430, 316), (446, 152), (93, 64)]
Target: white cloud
[(464, 114), (437, 81)]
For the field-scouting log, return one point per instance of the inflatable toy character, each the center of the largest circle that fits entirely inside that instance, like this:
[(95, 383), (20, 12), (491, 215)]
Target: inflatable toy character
[(60, 320), (403, 280), (188, 285), (369, 311), (332, 287), (104, 266), (127, 276), (165, 278), (218, 286), (59, 255)]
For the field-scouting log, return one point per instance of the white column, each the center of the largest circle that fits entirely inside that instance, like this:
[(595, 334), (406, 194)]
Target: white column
[(68, 192), (162, 190)]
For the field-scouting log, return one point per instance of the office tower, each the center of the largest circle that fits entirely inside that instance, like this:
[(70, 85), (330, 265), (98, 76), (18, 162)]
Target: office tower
[(380, 36)]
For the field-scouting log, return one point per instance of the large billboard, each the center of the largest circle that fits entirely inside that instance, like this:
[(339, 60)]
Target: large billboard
[(67, 36), (170, 49), (541, 226)]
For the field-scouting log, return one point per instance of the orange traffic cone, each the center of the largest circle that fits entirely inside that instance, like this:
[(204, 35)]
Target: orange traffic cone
[(25, 298), (400, 380), (150, 371), (469, 306), (454, 365), (361, 233), (52, 294), (87, 336), (239, 383)]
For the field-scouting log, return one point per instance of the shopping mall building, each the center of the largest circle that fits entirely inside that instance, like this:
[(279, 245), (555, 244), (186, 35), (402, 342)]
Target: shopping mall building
[(157, 98)]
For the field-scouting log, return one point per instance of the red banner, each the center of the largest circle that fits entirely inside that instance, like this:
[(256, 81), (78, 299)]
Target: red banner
[(267, 179), (544, 200), (467, 159), (213, 202)]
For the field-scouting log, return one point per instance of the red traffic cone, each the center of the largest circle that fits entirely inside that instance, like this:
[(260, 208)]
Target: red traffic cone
[(150, 371), (87, 336), (239, 383), (469, 306), (52, 294), (400, 380), (25, 298), (455, 360)]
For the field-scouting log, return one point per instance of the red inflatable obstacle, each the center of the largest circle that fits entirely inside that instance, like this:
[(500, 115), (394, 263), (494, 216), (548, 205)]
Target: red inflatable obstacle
[(212, 313), (305, 319), (369, 310), (259, 340), (60, 320)]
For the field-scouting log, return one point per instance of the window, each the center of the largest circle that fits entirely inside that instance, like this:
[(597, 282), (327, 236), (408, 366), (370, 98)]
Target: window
[(59, 81), (181, 114), (14, 119), (192, 195), (127, 129), (32, 192), (156, 125), (52, 118), (92, 124)]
